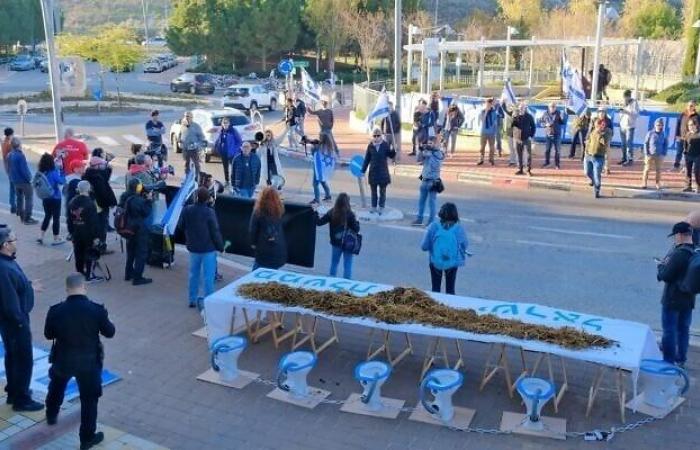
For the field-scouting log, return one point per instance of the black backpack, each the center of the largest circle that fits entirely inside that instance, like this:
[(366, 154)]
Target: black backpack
[(121, 221), (691, 281)]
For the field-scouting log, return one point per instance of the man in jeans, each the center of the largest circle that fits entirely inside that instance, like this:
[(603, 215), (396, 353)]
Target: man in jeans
[(246, 172), (192, 141), (325, 121), (628, 120), (21, 178), (203, 240), (489, 128), (552, 122), (431, 157), (598, 141), (677, 305), (6, 147)]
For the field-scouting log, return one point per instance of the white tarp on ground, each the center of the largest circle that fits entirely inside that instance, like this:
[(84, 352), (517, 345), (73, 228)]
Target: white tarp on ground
[(634, 341)]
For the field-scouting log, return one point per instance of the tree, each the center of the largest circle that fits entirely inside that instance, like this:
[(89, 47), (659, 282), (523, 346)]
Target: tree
[(21, 22), (113, 47), (188, 27), (323, 17), (653, 19), (368, 29), (691, 13), (530, 12), (273, 26)]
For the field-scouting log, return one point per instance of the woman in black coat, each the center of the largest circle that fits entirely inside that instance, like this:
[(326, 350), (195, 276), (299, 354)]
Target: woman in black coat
[(377, 160)]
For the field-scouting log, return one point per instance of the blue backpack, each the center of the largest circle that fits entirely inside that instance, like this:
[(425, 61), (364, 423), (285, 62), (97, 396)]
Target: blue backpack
[(445, 251)]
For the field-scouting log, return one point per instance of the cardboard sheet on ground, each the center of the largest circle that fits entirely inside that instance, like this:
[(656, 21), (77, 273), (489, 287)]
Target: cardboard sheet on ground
[(40, 375), (635, 341)]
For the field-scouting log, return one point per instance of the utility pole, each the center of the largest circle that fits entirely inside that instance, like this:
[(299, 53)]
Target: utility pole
[(437, 2), (596, 54), (397, 64), (145, 22), (47, 14)]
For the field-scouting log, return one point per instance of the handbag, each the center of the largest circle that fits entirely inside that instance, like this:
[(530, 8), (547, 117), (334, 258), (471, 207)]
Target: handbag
[(351, 241), (438, 186)]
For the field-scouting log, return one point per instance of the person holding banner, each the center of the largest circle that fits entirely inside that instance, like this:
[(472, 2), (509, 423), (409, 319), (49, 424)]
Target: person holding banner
[(376, 160)]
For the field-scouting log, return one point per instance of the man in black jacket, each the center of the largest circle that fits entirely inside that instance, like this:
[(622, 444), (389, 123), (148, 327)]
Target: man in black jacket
[(203, 240), (98, 174), (677, 305), (391, 127), (138, 208), (84, 226), (16, 302), (75, 326), (523, 132)]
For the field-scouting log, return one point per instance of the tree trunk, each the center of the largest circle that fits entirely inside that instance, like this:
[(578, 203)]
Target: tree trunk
[(119, 94), (264, 60)]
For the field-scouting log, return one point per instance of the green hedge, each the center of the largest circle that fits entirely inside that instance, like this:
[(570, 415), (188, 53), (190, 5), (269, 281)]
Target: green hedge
[(678, 93)]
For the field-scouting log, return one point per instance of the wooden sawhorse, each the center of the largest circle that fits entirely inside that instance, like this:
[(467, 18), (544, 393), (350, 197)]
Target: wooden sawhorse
[(437, 350), (384, 347), (618, 389), (491, 369)]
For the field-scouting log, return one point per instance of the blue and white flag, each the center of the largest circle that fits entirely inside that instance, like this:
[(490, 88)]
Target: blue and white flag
[(508, 96), (311, 89), (324, 165), (381, 109), (172, 215), (573, 87)]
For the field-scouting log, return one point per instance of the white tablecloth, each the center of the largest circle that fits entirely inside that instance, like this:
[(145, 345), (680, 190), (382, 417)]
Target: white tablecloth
[(634, 341)]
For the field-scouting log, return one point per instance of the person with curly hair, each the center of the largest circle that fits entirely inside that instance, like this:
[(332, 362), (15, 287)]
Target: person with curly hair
[(266, 231)]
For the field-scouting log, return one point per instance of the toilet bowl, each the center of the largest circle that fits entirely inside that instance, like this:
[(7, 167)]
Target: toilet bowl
[(535, 393), (292, 371), (224, 356), (442, 383), (372, 375), (663, 383)]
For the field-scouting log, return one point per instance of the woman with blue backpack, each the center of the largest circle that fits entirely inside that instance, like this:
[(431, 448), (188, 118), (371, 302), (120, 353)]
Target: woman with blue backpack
[(447, 245), (344, 230), (47, 185)]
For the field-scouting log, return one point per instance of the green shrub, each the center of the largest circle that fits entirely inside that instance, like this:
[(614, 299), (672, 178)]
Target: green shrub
[(673, 94)]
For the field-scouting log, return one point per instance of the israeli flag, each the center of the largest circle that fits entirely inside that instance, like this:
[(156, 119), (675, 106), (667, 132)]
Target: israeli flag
[(573, 86), (381, 109), (172, 215), (324, 165), (508, 96), (310, 87)]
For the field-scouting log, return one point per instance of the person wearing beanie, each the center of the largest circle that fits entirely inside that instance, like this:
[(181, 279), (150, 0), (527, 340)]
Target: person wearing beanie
[(84, 228)]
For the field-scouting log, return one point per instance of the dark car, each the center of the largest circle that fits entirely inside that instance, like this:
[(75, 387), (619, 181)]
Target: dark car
[(22, 63), (193, 83)]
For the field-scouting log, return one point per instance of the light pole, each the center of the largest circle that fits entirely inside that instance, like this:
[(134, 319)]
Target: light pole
[(397, 58), (696, 78), (511, 31), (596, 54), (145, 22), (409, 57), (437, 2), (47, 12)]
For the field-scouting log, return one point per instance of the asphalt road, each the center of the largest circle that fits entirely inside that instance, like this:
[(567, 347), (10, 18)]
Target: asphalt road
[(555, 248)]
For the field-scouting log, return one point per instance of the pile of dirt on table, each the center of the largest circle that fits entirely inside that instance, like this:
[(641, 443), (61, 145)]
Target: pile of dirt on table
[(410, 305)]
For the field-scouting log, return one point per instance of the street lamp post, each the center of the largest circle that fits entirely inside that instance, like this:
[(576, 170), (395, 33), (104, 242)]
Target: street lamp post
[(47, 12), (696, 78), (145, 22), (409, 56), (397, 60), (596, 54), (511, 31)]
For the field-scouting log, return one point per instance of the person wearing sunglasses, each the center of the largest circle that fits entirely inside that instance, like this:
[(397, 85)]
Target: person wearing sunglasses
[(377, 161), (16, 302)]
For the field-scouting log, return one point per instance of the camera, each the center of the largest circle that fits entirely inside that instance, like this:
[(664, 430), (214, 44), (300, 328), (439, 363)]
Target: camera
[(305, 140), (154, 187)]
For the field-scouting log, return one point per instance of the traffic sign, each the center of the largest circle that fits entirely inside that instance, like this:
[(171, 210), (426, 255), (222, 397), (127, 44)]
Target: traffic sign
[(303, 64), (285, 66), (97, 94), (356, 163)]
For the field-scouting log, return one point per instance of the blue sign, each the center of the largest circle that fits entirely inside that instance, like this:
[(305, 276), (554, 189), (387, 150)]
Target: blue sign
[(356, 165), (285, 66), (97, 94)]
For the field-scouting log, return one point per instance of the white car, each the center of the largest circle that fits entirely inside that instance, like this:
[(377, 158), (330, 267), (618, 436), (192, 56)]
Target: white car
[(245, 96), (153, 65), (210, 122)]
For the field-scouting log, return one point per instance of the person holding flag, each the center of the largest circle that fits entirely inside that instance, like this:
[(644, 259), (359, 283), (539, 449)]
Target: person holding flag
[(376, 160), (325, 121), (391, 125), (509, 109), (323, 156)]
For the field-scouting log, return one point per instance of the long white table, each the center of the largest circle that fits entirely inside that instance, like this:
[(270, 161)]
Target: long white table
[(634, 341)]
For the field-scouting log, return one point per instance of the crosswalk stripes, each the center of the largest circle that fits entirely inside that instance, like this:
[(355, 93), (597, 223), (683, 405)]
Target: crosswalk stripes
[(133, 139), (106, 140)]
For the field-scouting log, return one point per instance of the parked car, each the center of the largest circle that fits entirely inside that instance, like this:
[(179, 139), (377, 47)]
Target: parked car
[(193, 83), (164, 61), (210, 122), (44, 65), (153, 65), (155, 42), (245, 96), (23, 63)]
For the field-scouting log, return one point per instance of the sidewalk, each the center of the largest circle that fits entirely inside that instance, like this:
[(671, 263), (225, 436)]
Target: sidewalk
[(622, 182), (159, 398)]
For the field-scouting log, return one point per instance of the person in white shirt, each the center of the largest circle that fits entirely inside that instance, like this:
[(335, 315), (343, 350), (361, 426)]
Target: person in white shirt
[(628, 120)]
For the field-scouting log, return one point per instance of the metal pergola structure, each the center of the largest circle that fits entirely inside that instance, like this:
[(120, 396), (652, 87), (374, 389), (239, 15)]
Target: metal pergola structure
[(445, 47)]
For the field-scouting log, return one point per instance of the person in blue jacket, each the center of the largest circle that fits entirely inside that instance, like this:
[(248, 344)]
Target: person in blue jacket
[(228, 146), (21, 178), (489, 127), (655, 149), (52, 205), (246, 172), (446, 242)]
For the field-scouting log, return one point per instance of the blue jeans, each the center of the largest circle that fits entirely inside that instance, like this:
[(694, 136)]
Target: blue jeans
[(552, 141), (426, 193), (13, 196), (245, 193), (317, 191), (676, 327), (347, 262), (199, 262), (593, 168), (627, 139)]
